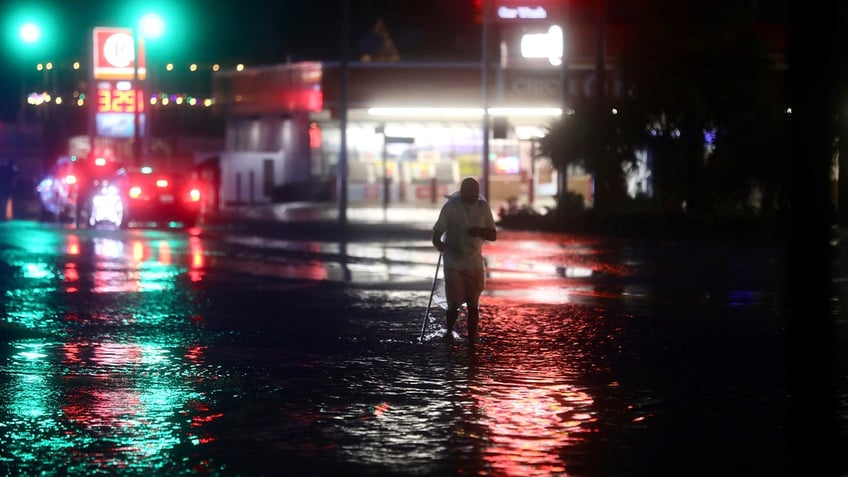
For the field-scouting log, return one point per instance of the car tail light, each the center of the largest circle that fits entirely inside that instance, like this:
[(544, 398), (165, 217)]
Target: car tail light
[(135, 192), (194, 194), (161, 183), (70, 179), (100, 161)]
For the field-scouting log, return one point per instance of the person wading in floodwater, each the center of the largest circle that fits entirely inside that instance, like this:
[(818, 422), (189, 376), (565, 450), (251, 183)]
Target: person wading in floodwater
[(464, 222)]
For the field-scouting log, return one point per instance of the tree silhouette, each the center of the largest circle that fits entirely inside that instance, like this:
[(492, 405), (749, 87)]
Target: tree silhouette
[(698, 75), (700, 99)]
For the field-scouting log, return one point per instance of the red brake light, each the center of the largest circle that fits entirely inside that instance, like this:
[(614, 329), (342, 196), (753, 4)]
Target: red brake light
[(100, 161)]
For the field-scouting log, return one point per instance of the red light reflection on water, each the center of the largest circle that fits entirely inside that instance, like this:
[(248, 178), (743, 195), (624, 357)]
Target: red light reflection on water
[(202, 417), (164, 252), (196, 259), (101, 406), (529, 424), (138, 251), (71, 274), (195, 353), (551, 269), (71, 277), (526, 393), (134, 265), (72, 247)]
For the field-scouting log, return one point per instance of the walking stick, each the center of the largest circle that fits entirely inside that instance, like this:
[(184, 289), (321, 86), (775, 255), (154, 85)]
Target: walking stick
[(430, 301)]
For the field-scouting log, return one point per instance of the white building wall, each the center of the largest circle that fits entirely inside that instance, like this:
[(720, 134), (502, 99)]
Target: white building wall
[(295, 142), (264, 154), (243, 177)]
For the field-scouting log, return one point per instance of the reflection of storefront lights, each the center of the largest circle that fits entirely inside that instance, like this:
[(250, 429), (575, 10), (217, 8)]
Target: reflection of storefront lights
[(164, 253), (108, 248), (73, 247), (138, 251), (196, 259), (36, 270), (71, 277)]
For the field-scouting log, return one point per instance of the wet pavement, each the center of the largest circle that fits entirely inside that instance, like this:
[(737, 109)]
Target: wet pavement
[(238, 348)]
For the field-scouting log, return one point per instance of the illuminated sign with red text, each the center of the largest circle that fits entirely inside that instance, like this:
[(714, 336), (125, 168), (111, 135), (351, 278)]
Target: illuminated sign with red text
[(115, 109), (117, 100)]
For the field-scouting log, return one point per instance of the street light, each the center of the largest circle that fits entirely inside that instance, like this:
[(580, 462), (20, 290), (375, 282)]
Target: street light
[(29, 32), (151, 26)]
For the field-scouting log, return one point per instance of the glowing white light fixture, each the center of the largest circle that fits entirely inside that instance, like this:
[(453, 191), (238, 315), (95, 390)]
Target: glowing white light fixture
[(529, 132), (543, 45), (29, 32), (463, 112), (525, 111), (455, 112)]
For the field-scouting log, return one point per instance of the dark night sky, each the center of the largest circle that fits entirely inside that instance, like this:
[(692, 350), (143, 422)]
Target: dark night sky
[(243, 31), (255, 32)]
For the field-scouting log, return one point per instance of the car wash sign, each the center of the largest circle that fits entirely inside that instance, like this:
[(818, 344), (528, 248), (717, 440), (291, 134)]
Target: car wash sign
[(519, 11), (114, 53)]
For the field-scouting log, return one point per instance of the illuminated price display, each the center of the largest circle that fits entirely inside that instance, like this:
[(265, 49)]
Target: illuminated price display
[(118, 101)]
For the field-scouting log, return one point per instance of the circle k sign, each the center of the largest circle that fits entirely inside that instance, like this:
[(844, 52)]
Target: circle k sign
[(114, 54)]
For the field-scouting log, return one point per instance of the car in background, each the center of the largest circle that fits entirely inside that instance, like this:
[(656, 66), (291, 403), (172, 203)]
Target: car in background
[(148, 197), (65, 192)]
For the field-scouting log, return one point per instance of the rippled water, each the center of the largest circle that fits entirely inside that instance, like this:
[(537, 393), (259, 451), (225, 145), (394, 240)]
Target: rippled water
[(167, 354)]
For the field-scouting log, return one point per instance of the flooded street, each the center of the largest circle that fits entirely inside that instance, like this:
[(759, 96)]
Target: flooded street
[(199, 352)]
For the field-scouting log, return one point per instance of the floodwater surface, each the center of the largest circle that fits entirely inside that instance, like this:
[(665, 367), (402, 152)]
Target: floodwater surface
[(150, 352)]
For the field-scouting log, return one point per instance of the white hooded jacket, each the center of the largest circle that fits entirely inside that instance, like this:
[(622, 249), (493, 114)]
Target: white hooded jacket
[(462, 251)]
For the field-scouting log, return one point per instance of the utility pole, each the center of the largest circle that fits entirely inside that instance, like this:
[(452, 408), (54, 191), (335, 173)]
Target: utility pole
[(601, 113), (562, 175), (341, 170), (484, 73)]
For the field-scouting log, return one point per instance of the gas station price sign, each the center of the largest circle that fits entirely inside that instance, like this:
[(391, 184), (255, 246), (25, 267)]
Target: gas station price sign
[(118, 107), (118, 68), (118, 97)]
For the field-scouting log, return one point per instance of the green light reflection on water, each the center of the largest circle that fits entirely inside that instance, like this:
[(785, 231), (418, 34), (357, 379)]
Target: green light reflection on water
[(30, 408), (119, 408), (37, 270), (122, 408), (154, 276), (30, 380), (28, 316), (150, 424)]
